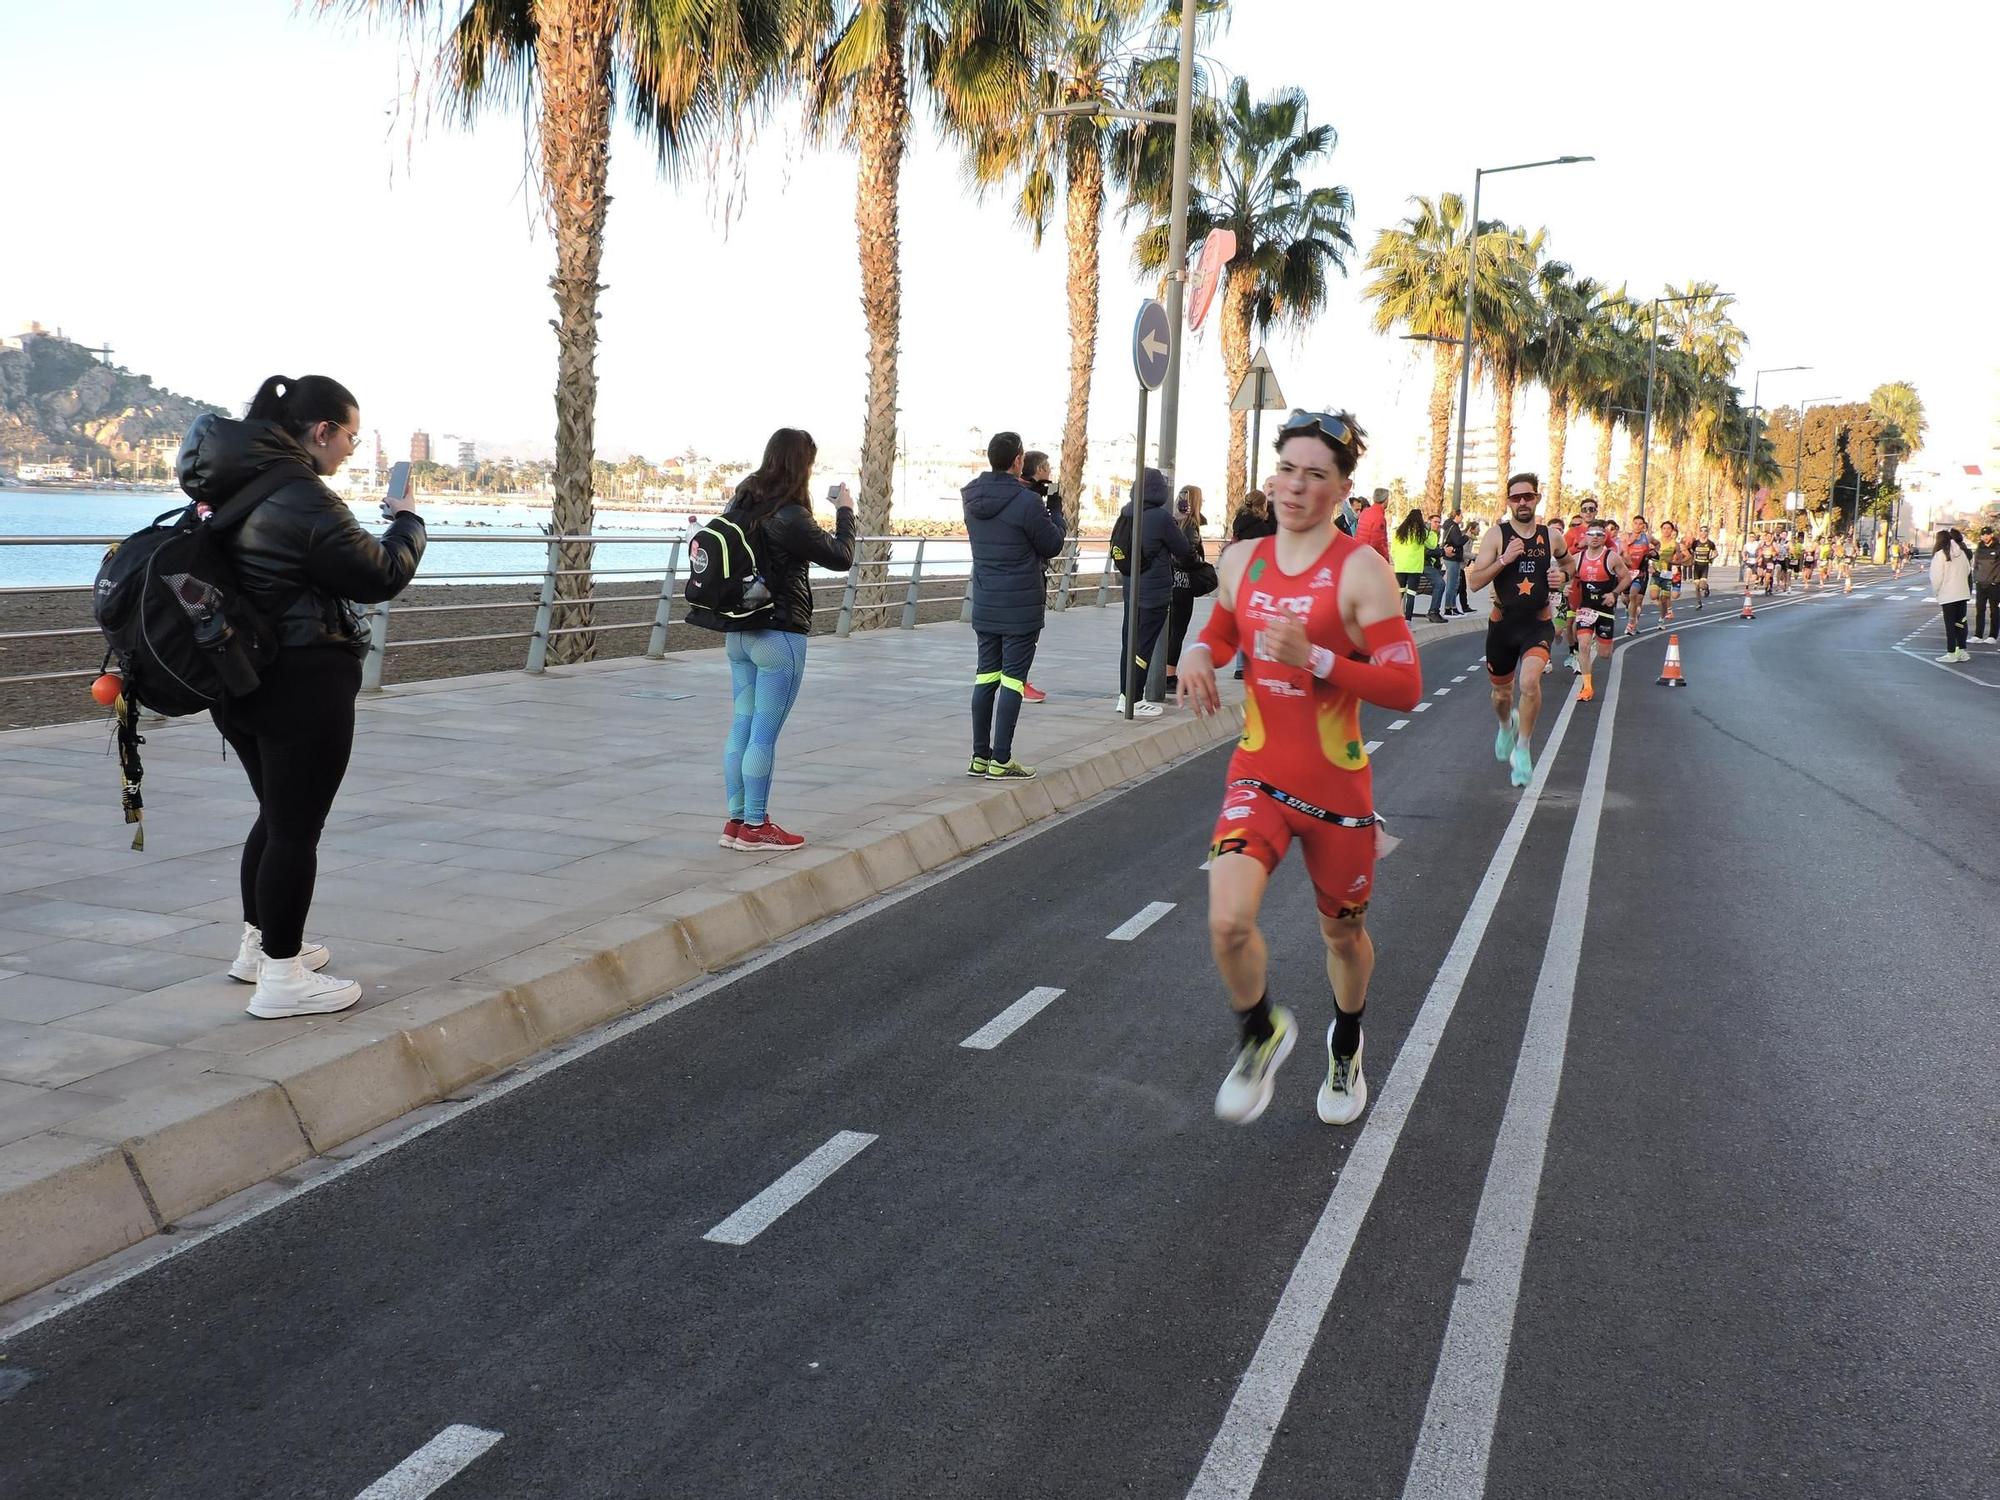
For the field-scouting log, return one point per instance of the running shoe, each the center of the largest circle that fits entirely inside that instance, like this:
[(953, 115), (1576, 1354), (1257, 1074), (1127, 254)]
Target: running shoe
[(731, 831), (1503, 742), (1008, 770), (978, 766), (1246, 1092), (1032, 694), (1523, 762), (1575, 666), (767, 835), (1586, 692), (1143, 709), (1345, 1093)]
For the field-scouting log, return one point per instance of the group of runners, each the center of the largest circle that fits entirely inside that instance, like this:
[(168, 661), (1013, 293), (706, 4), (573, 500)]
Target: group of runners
[(1791, 559)]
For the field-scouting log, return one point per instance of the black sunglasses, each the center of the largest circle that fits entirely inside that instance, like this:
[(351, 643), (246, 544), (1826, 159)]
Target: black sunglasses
[(1329, 426)]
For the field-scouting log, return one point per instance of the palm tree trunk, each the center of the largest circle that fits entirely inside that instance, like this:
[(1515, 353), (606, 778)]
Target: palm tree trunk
[(1503, 425), (573, 62), (1083, 227), (1558, 452), (1444, 373), (882, 133), (1605, 431), (1237, 306)]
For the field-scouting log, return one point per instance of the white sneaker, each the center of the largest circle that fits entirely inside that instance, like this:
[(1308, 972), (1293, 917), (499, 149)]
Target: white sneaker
[(1246, 1092), (244, 969), (1142, 709), (1948, 656), (286, 987), (1344, 1094)]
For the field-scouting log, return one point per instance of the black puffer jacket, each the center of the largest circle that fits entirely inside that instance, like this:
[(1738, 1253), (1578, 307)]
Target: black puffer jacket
[(1013, 531), (301, 556), (788, 543), (1160, 543)]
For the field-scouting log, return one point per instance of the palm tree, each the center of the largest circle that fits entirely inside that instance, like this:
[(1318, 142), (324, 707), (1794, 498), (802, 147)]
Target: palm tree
[(1500, 340), (1419, 286), (1289, 237), (972, 60), (1093, 52), (1562, 356), (683, 72), (1899, 408), (1698, 323)]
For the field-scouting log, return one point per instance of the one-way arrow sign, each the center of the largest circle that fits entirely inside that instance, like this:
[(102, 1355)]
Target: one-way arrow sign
[(1259, 390), (1152, 342)]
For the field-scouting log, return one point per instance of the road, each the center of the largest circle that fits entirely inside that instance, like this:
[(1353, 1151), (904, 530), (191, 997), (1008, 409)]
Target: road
[(1686, 1187)]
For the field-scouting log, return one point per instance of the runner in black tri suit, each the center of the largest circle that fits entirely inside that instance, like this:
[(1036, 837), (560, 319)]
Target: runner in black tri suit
[(1701, 552), (1523, 559)]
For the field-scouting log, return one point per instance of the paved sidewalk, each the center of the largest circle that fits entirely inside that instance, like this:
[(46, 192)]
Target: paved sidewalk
[(512, 860)]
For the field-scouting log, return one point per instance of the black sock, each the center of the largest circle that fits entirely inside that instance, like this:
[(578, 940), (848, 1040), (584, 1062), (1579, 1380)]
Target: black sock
[(1257, 1021), (1347, 1031)]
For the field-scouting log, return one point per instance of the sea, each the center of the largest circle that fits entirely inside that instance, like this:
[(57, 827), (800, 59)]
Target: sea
[(468, 543)]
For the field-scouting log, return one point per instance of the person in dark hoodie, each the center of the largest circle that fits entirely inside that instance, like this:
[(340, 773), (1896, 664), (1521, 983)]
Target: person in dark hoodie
[(1158, 543), (1014, 531), (1986, 588), (767, 650), (302, 561)]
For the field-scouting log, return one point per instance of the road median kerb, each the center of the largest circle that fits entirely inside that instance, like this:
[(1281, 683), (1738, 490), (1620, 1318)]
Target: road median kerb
[(74, 1196)]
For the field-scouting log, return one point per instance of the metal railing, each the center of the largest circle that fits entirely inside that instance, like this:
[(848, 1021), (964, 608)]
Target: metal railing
[(1062, 588)]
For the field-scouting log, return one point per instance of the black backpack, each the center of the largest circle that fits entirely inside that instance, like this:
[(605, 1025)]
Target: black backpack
[(174, 618), (723, 576), (1121, 544)]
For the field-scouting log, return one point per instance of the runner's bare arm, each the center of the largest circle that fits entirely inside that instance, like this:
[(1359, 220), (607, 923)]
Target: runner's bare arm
[(1195, 671), (1371, 606), (1490, 560)]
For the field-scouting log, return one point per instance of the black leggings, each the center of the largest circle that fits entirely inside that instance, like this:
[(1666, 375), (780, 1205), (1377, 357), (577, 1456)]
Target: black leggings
[(293, 736), (1180, 613), (1954, 625)]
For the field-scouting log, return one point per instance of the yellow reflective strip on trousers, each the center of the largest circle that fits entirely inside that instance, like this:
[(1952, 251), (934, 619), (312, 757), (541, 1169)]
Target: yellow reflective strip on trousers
[(1012, 682), (982, 678)]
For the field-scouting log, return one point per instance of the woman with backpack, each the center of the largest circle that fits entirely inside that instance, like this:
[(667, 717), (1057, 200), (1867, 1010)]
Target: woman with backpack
[(302, 561), (767, 646)]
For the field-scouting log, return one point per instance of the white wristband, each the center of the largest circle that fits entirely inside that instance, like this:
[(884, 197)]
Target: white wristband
[(1197, 646), (1321, 663)]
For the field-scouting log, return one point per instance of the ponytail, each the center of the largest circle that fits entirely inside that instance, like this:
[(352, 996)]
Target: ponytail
[(300, 405)]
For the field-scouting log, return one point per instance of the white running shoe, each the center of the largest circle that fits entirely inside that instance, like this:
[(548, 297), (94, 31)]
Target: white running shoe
[(1142, 709), (1344, 1094), (1522, 764), (244, 969), (1503, 742), (1246, 1092), (285, 987)]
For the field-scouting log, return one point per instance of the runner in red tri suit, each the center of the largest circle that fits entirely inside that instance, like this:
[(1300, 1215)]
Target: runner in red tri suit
[(1601, 574), (1586, 517), (1321, 618)]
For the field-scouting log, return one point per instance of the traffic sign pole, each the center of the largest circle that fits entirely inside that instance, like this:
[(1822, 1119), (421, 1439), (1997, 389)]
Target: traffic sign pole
[(1131, 672), (1256, 430)]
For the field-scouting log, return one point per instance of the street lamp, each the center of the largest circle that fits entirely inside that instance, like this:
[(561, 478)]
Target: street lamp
[(1750, 461), (1471, 276), (1652, 369)]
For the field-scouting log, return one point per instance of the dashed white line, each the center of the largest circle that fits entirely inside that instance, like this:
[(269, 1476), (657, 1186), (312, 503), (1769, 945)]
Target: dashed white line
[(1420, 708), (1461, 679), (432, 1466), (1012, 1019), (1373, 745), (1440, 692), (1400, 724), (1132, 927), (764, 1210)]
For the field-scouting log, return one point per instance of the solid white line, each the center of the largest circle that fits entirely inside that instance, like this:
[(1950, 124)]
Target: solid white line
[(1011, 1020), (764, 1210), (1400, 724), (1373, 745), (1421, 708), (1942, 666), (432, 1466), (1456, 1439), (1236, 1457), (1131, 927)]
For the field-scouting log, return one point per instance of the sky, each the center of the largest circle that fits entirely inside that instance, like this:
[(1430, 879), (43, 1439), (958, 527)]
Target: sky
[(226, 189)]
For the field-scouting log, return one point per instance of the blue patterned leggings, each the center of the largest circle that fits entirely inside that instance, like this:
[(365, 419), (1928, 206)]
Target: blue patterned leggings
[(765, 669)]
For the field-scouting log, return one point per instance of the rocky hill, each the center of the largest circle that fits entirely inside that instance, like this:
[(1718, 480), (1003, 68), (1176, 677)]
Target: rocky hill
[(58, 402)]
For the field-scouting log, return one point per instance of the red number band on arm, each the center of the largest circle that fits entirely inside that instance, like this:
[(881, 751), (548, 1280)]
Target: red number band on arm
[(1392, 677)]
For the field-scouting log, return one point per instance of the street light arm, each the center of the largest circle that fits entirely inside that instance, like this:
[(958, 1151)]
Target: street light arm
[(1107, 111), (1522, 166)]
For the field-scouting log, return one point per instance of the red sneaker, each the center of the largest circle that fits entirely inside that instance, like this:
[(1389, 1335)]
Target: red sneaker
[(766, 835), (730, 830), (1032, 694)]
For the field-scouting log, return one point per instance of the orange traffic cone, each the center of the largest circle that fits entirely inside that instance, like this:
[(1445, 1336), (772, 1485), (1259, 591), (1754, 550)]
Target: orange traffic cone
[(1748, 612), (1670, 675)]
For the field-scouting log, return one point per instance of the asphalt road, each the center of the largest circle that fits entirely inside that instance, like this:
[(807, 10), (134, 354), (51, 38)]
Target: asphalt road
[(1751, 1252)]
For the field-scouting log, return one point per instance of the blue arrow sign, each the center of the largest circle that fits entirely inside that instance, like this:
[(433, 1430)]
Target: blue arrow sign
[(1152, 342)]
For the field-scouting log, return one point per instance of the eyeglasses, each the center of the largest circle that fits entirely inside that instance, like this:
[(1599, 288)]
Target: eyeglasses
[(353, 435), (1525, 495), (1588, 507), (1331, 427)]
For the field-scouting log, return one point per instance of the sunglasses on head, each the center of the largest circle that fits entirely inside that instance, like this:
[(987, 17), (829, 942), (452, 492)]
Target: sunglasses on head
[(1329, 426)]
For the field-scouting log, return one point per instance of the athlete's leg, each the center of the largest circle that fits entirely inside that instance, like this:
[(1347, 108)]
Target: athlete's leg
[(1350, 959), (1235, 895), (1533, 664)]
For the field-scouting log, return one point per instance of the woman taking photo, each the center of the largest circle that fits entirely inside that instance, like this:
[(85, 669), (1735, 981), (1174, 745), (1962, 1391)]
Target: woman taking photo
[(300, 557), (767, 650), (1407, 550), (1951, 581)]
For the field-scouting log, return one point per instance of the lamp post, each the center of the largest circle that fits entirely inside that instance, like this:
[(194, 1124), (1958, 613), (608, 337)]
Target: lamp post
[(1652, 369), (1471, 277), (1750, 460)]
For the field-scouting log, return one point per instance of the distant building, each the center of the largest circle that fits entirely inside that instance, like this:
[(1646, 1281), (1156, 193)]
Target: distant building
[(42, 473), (467, 457), (420, 447)]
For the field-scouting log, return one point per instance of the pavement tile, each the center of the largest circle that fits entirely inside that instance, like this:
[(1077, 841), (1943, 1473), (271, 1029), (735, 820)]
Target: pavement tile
[(25, 1111), (51, 1057), (43, 998), (108, 963), (104, 923)]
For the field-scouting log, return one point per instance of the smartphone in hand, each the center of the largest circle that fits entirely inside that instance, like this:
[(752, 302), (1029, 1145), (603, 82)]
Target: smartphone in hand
[(399, 489)]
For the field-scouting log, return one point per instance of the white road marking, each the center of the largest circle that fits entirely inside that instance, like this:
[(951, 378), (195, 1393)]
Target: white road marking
[(1456, 1439), (1133, 926), (1373, 745), (432, 1466), (1011, 1020), (764, 1210), (1442, 691), (1420, 708), (1400, 724), (1236, 1457), (1461, 679), (1956, 671)]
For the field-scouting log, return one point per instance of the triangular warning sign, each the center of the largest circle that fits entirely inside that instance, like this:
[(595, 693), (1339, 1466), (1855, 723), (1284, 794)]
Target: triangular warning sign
[(1247, 394)]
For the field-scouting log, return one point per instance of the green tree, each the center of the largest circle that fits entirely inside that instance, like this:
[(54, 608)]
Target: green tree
[(1290, 238), (1614, 370), (1898, 406), (1500, 338), (1419, 286), (1560, 354), (683, 71)]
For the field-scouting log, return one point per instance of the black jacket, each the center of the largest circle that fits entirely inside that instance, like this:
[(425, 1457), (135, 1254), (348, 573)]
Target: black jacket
[(1248, 524), (301, 556), (788, 542), (1013, 530), (1986, 565), (1159, 544), (1454, 542)]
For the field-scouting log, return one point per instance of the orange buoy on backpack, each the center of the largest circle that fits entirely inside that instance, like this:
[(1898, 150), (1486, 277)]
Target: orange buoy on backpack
[(1748, 612), (107, 688), (1670, 675)]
